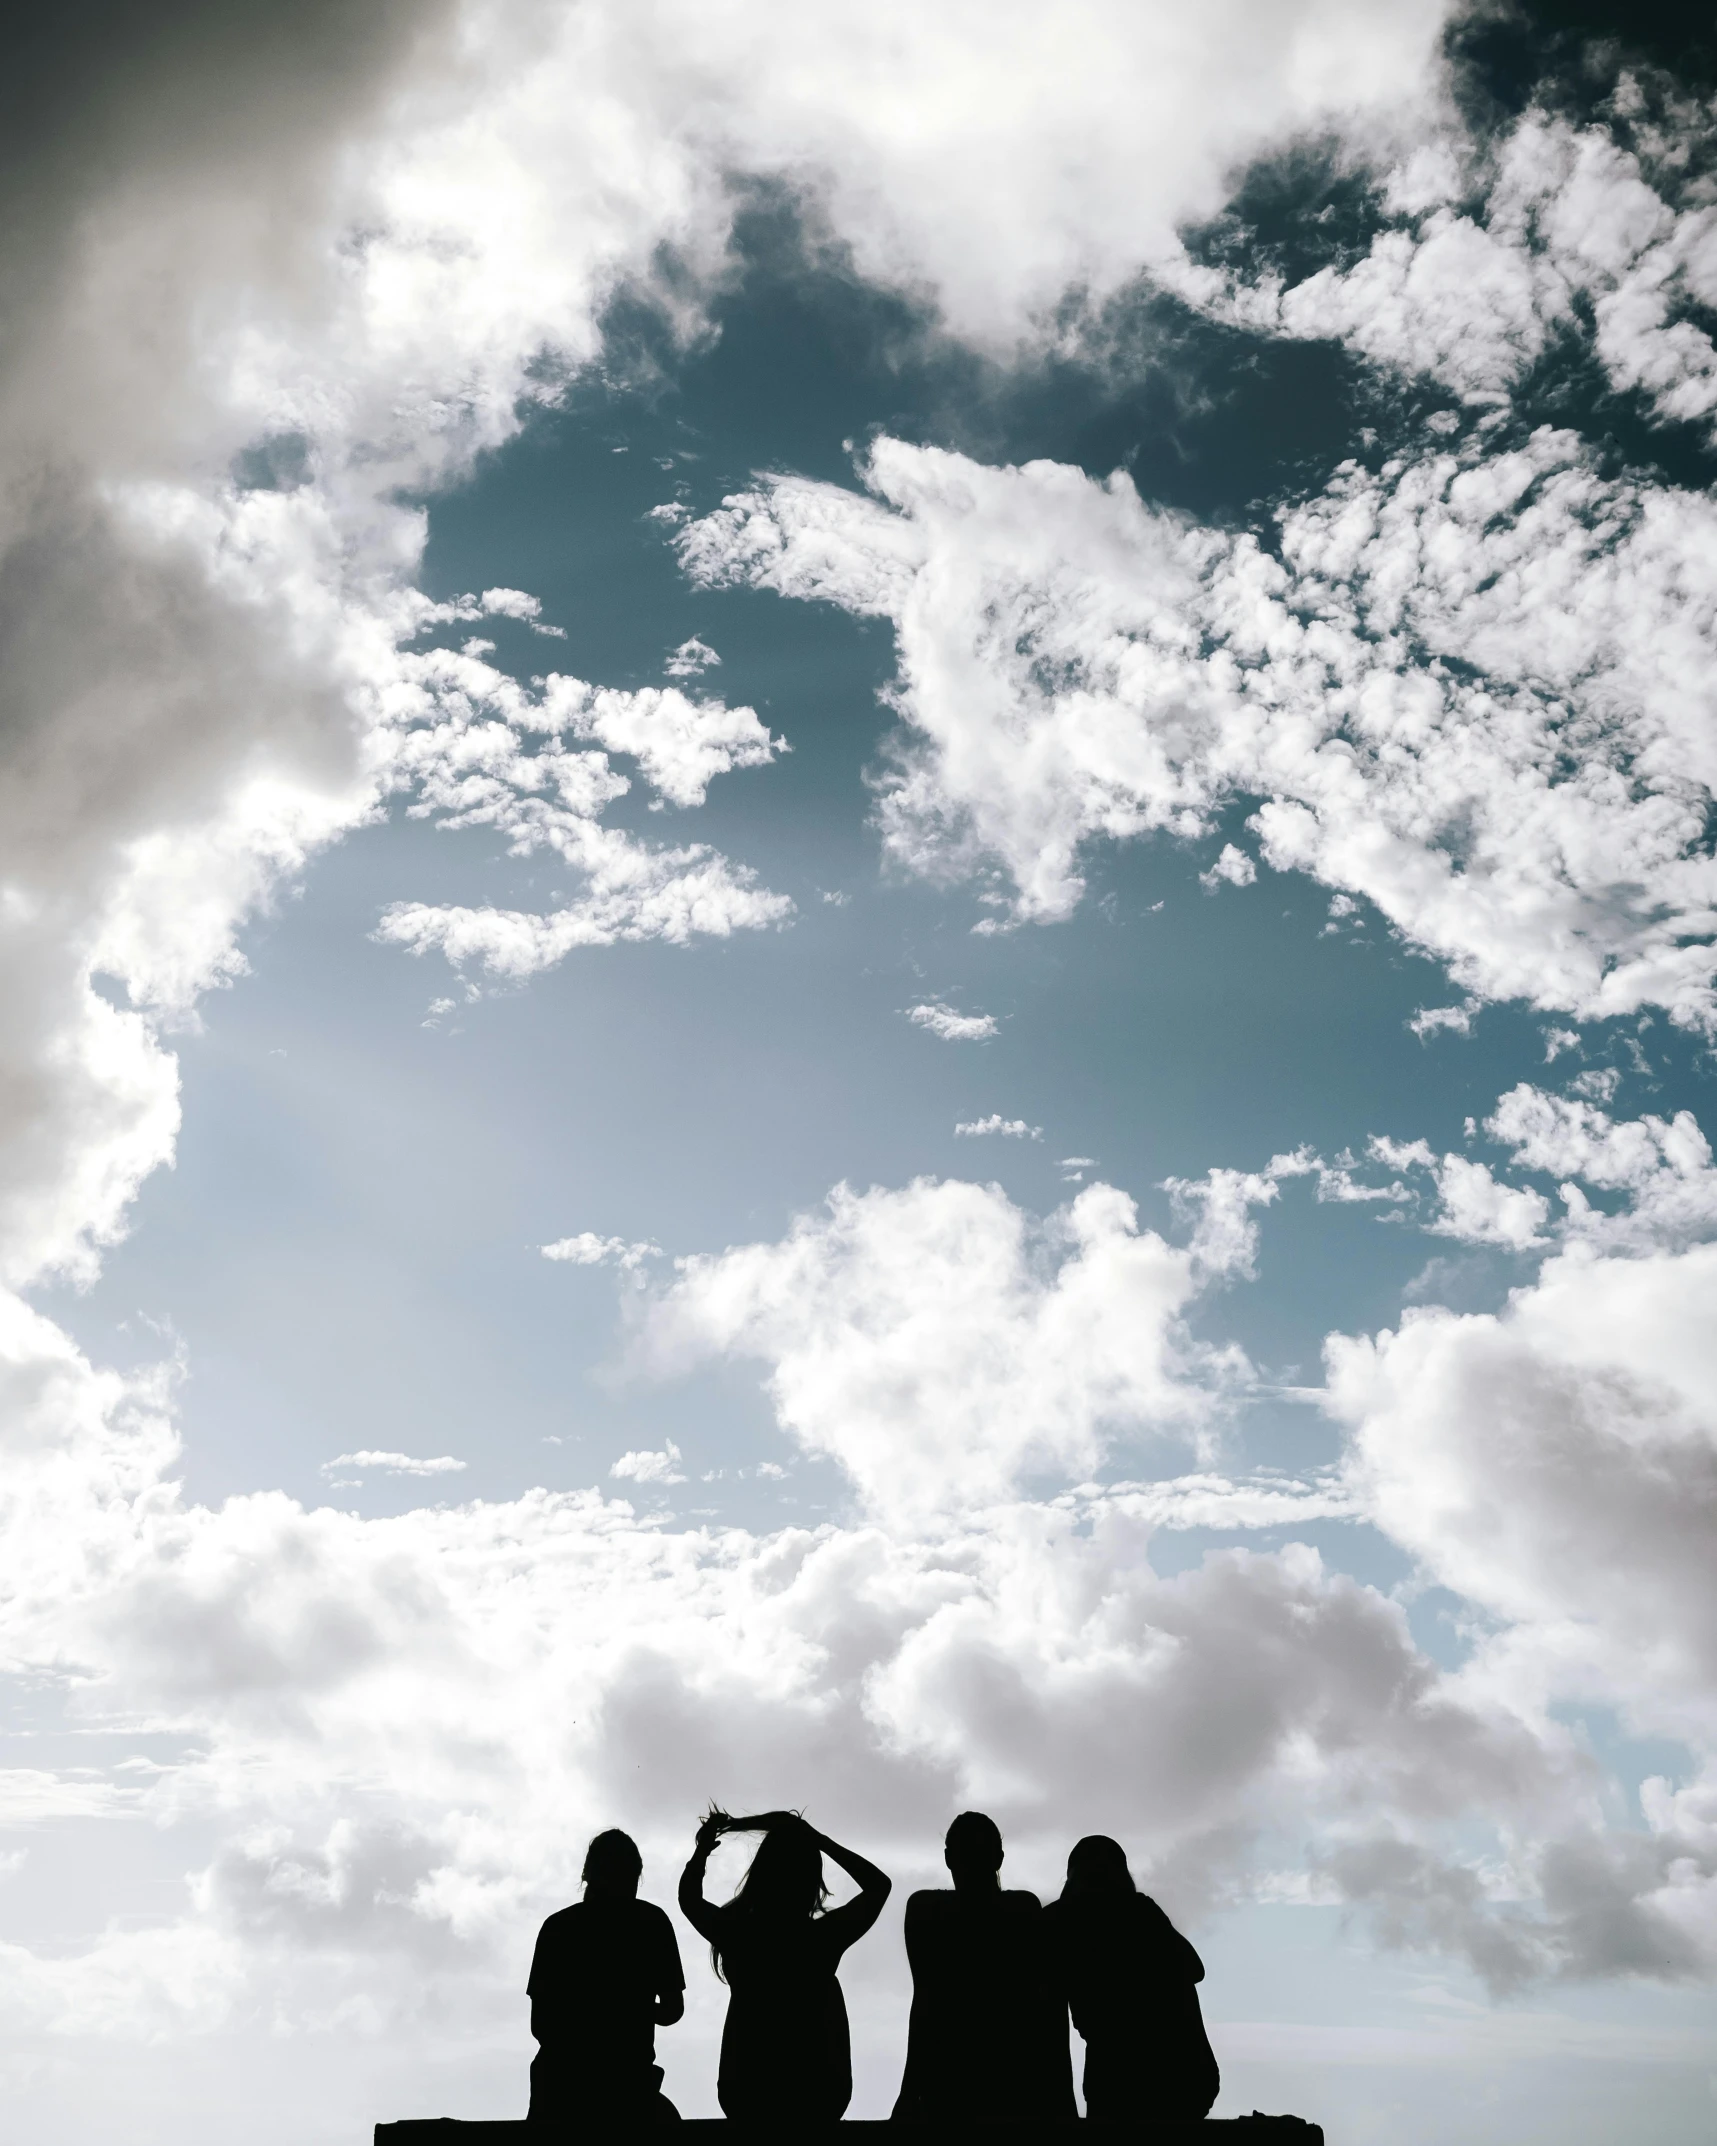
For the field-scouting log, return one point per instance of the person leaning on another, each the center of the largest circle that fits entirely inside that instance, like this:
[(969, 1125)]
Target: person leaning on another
[(605, 1975), (1132, 1983)]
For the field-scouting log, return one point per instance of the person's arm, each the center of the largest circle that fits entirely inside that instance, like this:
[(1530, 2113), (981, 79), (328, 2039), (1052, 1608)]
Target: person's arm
[(670, 1975), (700, 1913), (852, 1920), (916, 1937), (536, 1988), (1177, 1955)]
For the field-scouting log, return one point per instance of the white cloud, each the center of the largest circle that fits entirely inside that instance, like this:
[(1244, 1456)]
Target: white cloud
[(1477, 1210), (953, 1027), (511, 603), (1663, 1166), (460, 751), (650, 1467), (1573, 222), (1219, 1208), (1555, 1465), (1474, 689), (587, 1249), (691, 658), (1233, 866), (1009, 1128), (1436, 1020), (401, 1732), (1024, 1343), (254, 333), (396, 1463)]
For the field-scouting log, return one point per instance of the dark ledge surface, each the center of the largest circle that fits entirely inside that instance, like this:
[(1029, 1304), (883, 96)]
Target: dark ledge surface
[(426, 2130)]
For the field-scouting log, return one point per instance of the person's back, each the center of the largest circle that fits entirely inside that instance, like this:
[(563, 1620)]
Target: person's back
[(606, 1973), (786, 2054), (987, 2038), (1131, 1981)]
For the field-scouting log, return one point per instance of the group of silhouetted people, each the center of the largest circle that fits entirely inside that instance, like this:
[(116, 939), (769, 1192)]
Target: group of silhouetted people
[(995, 1976)]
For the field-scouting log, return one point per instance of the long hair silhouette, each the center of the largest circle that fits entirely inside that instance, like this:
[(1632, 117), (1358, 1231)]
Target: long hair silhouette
[(1132, 1985), (1097, 1870), (784, 1882), (786, 2052)]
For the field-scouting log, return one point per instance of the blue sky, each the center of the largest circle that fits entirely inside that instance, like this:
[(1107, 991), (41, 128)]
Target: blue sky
[(1042, 1139)]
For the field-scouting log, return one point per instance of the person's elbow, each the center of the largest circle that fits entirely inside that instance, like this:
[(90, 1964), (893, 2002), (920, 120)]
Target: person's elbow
[(882, 1886), (670, 2008)]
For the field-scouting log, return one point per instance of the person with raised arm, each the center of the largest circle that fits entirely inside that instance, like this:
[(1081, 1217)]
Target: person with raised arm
[(1132, 1984), (786, 2052), (605, 1975), (987, 2036)]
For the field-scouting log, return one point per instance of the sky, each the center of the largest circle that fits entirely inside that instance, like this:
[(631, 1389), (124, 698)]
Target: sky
[(859, 921)]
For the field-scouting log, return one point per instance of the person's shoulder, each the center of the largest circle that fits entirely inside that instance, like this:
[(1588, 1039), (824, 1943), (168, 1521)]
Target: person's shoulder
[(561, 1921), (646, 1911), (1021, 1902), (932, 1900)]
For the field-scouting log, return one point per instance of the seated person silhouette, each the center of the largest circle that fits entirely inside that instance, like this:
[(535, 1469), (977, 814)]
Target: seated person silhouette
[(605, 1975), (1132, 1983), (987, 2039), (786, 2054)]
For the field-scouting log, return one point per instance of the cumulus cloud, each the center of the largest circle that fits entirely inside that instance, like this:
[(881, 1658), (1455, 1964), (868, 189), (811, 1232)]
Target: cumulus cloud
[(1009, 1128), (1233, 866), (1441, 1020), (953, 1027), (1556, 1465), (661, 1466), (1023, 1343)]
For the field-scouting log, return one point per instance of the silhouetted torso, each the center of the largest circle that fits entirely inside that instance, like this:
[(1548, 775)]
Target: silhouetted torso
[(1132, 1984), (786, 2051), (595, 1976), (987, 2040)]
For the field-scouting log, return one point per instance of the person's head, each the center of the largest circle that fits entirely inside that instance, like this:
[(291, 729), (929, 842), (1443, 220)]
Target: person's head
[(972, 1851), (613, 1866), (785, 1881), (1097, 1870)]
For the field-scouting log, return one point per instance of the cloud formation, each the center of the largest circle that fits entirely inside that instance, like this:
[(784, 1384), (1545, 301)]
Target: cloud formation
[(1472, 690), (943, 1304), (395, 1463), (312, 270), (953, 1027)]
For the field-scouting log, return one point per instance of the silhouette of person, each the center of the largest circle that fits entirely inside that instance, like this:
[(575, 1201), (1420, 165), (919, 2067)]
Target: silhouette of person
[(1132, 1982), (987, 2038), (786, 2052), (605, 1975)]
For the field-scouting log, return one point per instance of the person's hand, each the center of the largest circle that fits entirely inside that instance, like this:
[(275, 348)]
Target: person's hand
[(711, 1827)]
